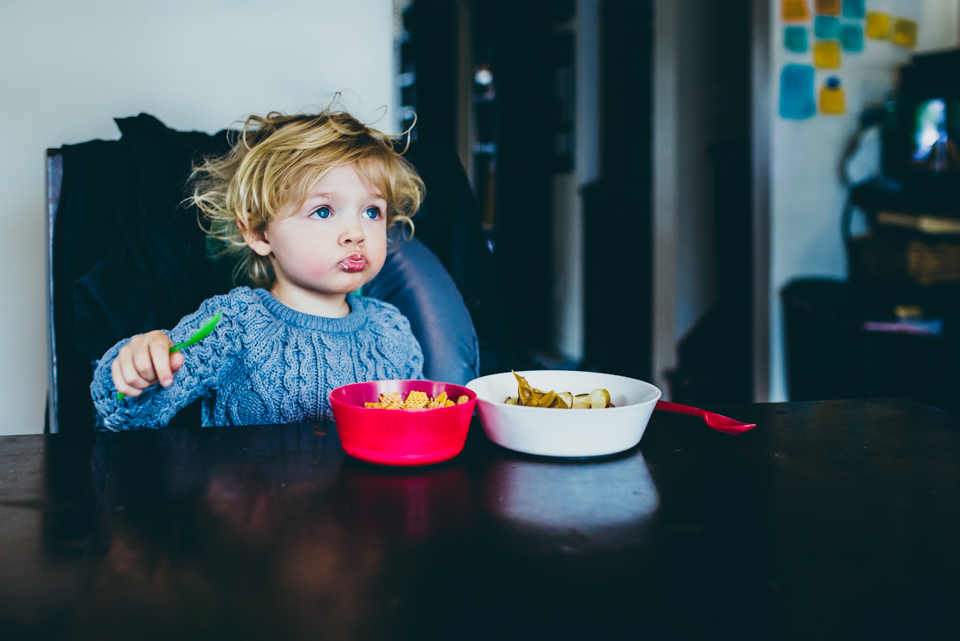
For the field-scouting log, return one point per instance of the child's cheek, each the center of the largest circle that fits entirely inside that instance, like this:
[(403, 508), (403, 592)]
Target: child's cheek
[(376, 262)]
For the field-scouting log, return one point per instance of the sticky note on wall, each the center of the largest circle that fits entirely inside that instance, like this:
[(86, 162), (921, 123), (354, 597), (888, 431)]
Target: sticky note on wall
[(826, 27), (828, 7), (794, 10), (851, 38), (904, 33), (826, 55), (797, 100), (833, 100), (878, 25), (795, 39), (853, 9)]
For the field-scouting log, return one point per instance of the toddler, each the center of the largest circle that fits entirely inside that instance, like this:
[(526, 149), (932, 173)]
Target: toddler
[(302, 203)]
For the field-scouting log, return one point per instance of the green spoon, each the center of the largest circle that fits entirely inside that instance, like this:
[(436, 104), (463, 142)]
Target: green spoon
[(198, 336)]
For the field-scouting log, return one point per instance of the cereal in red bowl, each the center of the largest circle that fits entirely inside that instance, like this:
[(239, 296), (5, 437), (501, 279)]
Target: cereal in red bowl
[(403, 422)]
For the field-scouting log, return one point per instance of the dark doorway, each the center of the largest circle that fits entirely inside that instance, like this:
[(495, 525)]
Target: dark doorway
[(715, 362), (524, 66), (618, 209)]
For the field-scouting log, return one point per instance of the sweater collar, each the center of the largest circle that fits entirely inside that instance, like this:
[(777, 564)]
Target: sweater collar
[(349, 323)]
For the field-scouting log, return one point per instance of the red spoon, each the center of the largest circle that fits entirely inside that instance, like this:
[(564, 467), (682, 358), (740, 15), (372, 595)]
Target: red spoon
[(717, 422)]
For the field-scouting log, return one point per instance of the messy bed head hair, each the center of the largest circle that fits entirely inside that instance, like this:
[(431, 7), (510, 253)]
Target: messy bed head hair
[(271, 168)]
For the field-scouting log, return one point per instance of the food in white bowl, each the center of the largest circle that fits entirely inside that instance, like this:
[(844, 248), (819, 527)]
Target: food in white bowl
[(563, 432), (530, 396)]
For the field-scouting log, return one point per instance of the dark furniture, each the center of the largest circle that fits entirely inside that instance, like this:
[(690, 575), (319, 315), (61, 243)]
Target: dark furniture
[(832, 519), (844, 340)]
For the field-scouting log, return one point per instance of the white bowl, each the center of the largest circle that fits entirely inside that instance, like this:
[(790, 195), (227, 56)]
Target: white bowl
[(562, 432)]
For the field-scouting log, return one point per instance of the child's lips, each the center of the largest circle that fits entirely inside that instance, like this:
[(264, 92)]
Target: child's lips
[(354, 263)]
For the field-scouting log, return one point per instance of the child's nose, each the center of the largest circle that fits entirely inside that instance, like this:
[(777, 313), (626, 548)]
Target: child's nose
[(353, 234)]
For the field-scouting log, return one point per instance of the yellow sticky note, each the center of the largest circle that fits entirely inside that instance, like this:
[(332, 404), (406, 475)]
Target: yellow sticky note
[(828, 7), (794, 10), (833, 99), (878, 25), (826, 55), (904, 33)]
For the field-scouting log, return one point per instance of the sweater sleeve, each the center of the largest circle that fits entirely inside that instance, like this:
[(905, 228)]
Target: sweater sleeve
[(197, 377)]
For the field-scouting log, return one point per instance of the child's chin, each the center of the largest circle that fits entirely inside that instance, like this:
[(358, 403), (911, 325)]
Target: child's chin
[(351, 287), (346, 283)]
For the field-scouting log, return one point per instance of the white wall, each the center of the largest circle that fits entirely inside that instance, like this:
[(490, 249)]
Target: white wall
[(666, 187), (686, 122), (69, 67), (568, 203), (806, 197)]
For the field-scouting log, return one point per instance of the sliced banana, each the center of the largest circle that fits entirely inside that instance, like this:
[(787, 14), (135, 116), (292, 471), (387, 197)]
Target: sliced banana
[(599, 399), (530, 396)]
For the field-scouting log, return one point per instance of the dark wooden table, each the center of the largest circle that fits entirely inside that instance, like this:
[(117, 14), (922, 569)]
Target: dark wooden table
[(836, 519)]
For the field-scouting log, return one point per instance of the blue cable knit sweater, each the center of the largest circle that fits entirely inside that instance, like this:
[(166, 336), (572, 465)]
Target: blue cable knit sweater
[(266, 363)]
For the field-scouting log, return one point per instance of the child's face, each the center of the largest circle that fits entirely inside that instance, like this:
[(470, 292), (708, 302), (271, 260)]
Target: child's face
[(331, 245)]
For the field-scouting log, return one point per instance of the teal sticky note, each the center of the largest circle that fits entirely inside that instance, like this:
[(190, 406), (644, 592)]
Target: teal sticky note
[(797, 100), (853, 9), (851, 37), (795, 39), (826, 27)]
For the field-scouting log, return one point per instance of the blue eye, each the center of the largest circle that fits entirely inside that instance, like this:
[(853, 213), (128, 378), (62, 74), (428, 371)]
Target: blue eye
[(321, 212), (372, 213)]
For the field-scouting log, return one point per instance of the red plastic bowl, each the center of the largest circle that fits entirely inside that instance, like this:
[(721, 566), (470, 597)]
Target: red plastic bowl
[(401, 437)]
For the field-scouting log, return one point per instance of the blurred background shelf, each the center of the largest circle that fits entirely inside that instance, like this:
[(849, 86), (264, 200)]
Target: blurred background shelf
[(846, 340)]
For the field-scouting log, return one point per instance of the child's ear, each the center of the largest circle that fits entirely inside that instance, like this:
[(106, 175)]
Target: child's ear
[(256, 241)]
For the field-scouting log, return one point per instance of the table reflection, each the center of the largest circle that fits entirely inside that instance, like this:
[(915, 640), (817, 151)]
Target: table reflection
[(273, 532), (572, 504), (409, 504), (268, 532)]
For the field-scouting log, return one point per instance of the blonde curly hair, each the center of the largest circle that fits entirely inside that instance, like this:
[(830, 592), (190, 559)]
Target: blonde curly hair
[(271, 168)]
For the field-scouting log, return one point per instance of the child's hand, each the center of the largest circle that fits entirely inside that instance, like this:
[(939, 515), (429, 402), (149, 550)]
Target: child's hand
[(144, 361)]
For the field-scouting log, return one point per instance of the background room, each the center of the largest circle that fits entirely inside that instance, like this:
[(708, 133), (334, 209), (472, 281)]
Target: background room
[(645, 190)]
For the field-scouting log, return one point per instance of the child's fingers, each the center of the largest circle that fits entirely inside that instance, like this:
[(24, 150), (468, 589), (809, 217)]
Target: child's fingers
[(176, 362), (160, 354), (143, 361), (128, 369), (119, 382)]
